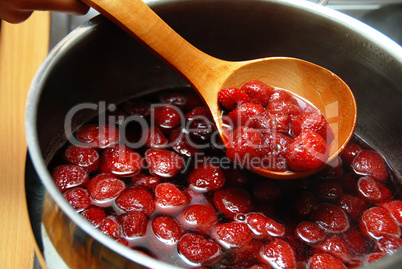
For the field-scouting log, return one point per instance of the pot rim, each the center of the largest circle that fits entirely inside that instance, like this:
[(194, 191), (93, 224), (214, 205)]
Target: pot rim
[(356, 26)]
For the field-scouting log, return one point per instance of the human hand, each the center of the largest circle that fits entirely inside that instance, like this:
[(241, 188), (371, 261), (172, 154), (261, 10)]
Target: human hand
[(15, 11)]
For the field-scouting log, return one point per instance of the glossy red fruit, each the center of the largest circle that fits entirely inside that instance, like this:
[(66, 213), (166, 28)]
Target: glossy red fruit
[(230, 98), (304, 203), (199, 250), (372, 190), (266, 191), (69, 176), (154, 138), (269, 121), (85, 157), (235, 177), (395, 208), (176, 99), (378, 222), (330, 217), (167, 117), (121, 161), (310, 233), (311, 122), (169, 195), (111, 227), (206, 177), (354, 206), (245, 114), (98, 136), (136, 199), (232, 234), (78, 198), (166, 229), (95, 215), (284, 107), (325, 261), (279, 254), (280, 95), (308, 151), (329, 190), (198, 217), (263, 226), (258, 91), (134, 224), (163, 163), (350, 152), (182, 143), (357, 243), (244, 147), (105, 187), (140, 108), (201, 130), (232, 201), (273, 150), (144, 181), (199, 112), (372, 257), (370, 163), (335, 246), (389, 243)]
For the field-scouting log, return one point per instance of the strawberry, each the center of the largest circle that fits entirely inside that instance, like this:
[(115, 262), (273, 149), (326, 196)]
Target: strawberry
[(350, 152), (357, 243), (98, 136), (261, 225), (201, 129), (377, 222), (370, 163), (269, 121), (372, 190), (230, 98), (284, 107), (232, 201), (389, 243), (329, 190), (136, 199), (235, 177), (372, 257), (105, 187), (266, 191), (111, 227), (163, 163), (310, 233), (134, 224), (199, 250), (182, 143), (352, 205), (324, 261), (85, 157), (198, 217), (95, 215), (154, 138), (244, 147), (280, 95), (140, 108), (330, 217), (169, 195), (395, 208), (199, 112), (206, 177), (304, 203), (233, 234), (335, 246), (176, 99), (273, 150), (166, 229), (69, 176), (121, 161), (311, 122), (258, 91), (144, 181), (167, 117), (279, 254), (78, 198), (245, 114), (308, 151)]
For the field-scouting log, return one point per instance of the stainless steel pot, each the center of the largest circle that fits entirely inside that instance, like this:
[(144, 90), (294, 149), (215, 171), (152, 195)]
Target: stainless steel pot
[(99, 62)]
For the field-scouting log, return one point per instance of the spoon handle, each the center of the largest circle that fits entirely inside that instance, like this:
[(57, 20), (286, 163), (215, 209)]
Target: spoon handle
[(137, 19)]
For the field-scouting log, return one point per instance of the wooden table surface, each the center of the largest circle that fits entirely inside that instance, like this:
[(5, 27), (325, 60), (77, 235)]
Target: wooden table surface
[(22, 49)]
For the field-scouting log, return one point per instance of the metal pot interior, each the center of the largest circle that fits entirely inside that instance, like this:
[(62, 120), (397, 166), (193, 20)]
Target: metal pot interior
[(99, 62)]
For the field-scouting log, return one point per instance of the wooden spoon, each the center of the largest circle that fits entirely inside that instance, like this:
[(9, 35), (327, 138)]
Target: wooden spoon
[(208, 75)]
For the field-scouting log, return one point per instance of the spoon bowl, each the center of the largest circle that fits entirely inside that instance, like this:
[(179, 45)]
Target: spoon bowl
[(208, 75)]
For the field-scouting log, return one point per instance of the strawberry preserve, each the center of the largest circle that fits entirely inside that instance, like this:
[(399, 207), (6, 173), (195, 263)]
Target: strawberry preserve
[(154, 176)]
